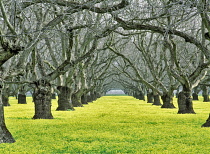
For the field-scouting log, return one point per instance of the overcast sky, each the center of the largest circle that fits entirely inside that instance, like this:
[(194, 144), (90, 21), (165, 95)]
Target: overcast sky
[(115, 92)]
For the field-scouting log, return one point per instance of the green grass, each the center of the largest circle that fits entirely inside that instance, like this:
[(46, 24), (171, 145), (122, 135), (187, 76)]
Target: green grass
[(110, 125)]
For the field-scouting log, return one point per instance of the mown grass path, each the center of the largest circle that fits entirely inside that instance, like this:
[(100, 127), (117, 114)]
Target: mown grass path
[(110, 125)]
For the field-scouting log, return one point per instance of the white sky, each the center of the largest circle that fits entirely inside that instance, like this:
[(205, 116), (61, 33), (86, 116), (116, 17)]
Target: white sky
[(115, 92)]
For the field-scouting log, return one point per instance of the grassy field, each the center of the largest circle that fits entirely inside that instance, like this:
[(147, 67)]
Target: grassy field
[(110, 125)]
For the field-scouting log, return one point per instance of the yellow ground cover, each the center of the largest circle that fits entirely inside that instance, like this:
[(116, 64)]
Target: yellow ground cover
[(110, 125)]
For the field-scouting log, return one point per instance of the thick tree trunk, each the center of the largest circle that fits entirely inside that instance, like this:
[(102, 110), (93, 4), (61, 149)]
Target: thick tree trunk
[(150, 97), (167, 101), (5, 100), (93, 96), (135, 95), (207, 123), (22, 99), (195, 96), (76, 100), (84, 99), (205, 94), (89, 99), (141, 96), (156, 100), (5, 135), (64, 102), (206, 98), (185, 102), (53, 96), (42, 100), (98, 95), (22, 95)]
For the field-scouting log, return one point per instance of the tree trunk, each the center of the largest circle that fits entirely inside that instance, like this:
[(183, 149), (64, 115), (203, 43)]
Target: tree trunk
[(207, 123), (176, 94), (98, 95), (205, 98), (42, 100), (64, 102), (5, 135), (156, 100), (53, 96), (93, 96), (167, 101), (84, 99), (135, 95), (141, 96), (22, 95), (32, 94), (76, 100), (150, 97), (5, 100), (89, 99), (205, 93), (185, 102), (22, 99), (195, 96)]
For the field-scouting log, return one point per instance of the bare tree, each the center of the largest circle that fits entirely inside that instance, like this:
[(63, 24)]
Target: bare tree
[(24, 27)]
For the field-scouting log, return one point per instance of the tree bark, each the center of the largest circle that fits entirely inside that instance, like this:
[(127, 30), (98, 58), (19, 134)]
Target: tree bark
[(207, 123), (84, 99), (93, 96), (196, 90), (205, 94), (156, 100), (5, 100), (53, 96), (89, 99), (42, 100), (76, 100), (195, 96), (22, 95), (150, 97), (22, 99), (141, 96), (176, 94), (167, 101), (64, 102), (206, 98), (135, 95), (5, 135), (185, 101), (98, 95)]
